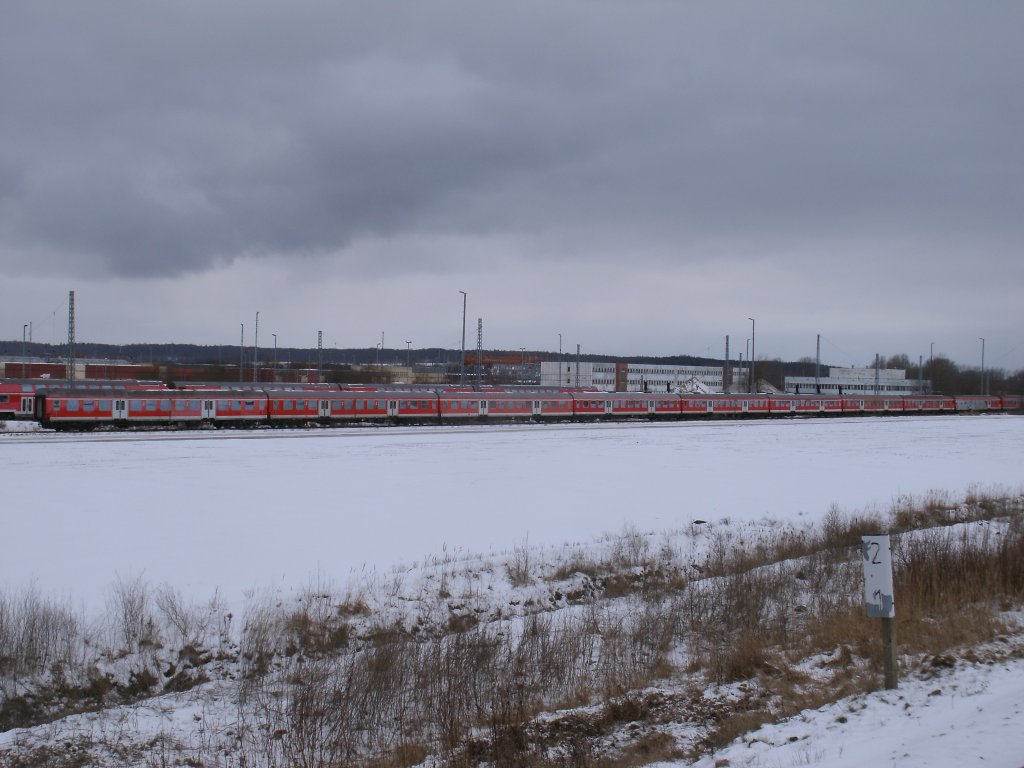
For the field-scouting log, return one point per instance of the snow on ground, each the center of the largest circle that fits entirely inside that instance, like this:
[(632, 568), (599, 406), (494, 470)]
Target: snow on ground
[(971, 716), (245, 510)]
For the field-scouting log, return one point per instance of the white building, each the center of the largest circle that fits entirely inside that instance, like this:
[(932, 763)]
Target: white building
[(639, 377), (864, 381)]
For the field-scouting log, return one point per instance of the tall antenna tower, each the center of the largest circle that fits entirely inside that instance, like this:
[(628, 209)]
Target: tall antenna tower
[(319, 356), (71, 335), (479, 351)]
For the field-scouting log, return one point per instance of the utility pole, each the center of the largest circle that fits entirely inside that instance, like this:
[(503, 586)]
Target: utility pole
[(23, 329), (241, 357), (753, 354), (408, 354), (462, 353), (983, 366), (817, 367), (256, 349), (319, 356), (725, 370)]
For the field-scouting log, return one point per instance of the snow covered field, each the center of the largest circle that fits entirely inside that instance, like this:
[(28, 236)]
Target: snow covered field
[(244, 510), (970, 716)]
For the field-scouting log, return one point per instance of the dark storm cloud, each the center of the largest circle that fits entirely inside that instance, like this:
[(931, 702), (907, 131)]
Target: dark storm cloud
[(164, 138)]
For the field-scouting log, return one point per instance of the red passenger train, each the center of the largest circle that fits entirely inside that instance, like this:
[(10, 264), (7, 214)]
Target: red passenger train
[(80, 408)]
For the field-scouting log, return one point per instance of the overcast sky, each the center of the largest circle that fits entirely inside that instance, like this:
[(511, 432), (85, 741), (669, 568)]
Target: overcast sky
[(638, 176)]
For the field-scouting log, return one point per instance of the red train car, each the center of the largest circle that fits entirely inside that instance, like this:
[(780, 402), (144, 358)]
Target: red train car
[(928, 404), (625, 404), (977, 403), (724, 405), (1012, 402), (805, 405), (17, 400), (85, 409), (18, 396), (856, 404)]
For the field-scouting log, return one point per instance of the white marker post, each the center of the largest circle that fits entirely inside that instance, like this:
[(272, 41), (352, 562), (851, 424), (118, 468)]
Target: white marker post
[(879, 598)]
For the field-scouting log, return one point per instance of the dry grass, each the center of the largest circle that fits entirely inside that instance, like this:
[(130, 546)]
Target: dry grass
[(326, 682)]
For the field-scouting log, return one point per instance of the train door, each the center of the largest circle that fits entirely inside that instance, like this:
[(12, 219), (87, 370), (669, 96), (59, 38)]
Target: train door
[(26, 406), (536, 408), (746, 406), (710, 405), (608, 407), (650, 407), (119, 410), (209, 409), (393, 408), (324, 409), (484, 408)]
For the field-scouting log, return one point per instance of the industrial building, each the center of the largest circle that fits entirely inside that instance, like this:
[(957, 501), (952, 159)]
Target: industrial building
[(864, 381), (642, 377)]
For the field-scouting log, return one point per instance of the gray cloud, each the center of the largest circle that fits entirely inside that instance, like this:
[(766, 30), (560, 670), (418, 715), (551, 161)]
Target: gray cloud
[(168, 139)]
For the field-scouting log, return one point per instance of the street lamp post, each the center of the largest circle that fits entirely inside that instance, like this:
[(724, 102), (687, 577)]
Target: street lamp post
[(983, 366), (256, 350), (462, 355), (753, 354), (275, 355), (408, 353), (24, 328)]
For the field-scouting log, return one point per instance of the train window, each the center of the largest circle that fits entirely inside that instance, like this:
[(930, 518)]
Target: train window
[(473, 404), (71, 405), (3, 398), (104, 405), (89, 406), (405, 405), (165, 406), (250, 405)]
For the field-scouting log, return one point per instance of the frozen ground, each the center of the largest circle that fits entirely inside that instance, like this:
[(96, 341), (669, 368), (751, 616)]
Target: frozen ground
[(971, 716), (244, 510), (250, 509)]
